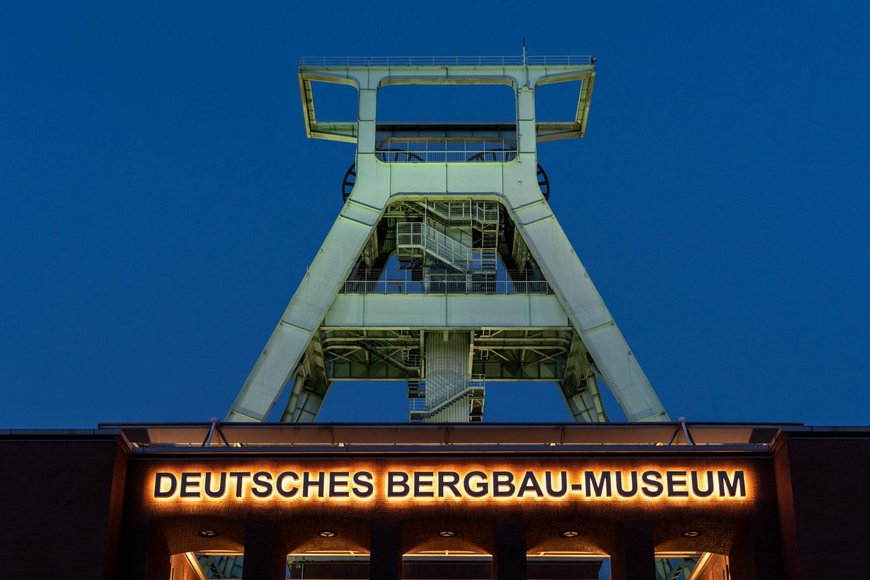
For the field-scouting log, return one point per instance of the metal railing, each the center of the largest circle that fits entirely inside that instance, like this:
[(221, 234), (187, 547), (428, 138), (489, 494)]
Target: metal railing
[(549, 60), (421, 156), (445, 151), (471, 386), (163, 438), (446, 287), (484, 212), (417, 405), (483, 259), (440, 245)]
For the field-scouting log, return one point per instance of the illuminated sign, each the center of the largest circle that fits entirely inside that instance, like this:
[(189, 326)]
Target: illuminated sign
[(295, 484)]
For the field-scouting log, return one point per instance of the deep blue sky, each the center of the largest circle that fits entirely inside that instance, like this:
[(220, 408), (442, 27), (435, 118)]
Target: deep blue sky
[(159, 201)]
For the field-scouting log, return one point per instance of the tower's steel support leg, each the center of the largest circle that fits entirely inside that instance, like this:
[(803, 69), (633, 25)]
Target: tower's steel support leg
[(580, 388), (303, 315), (306, 399), (562, 267), (584, 400)]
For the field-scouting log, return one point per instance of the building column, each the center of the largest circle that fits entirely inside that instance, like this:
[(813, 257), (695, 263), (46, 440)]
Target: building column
[(755, 553), (264, 558), (143, 554), (509, 559), (634, 555), (385, 561)]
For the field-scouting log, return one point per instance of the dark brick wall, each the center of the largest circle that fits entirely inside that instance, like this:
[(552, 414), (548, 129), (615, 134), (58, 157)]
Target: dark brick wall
[(824, 507), (61, 501), (65, 497)]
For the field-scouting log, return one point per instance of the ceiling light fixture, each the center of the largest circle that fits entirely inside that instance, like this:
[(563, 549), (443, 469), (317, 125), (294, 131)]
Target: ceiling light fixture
[(326, 534), (569, 533)]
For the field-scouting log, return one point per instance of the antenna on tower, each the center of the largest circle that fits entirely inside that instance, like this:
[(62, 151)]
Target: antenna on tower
[(524, 51)]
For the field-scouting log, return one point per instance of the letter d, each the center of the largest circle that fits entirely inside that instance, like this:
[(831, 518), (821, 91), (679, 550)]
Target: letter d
[(158, 485)]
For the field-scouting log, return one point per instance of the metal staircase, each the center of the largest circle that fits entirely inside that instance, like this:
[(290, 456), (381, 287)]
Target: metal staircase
[(472, 394), (482, 216), (424, 237), (462, 234)]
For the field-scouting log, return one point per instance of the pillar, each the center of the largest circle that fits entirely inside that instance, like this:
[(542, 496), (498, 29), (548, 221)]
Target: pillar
[(755, 553), (265, 558), (634, 555), (385, 562), (509, 557), (144, 554)]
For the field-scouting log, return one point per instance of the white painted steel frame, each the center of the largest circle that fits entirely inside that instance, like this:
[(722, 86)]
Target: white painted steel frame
[(513, 183)]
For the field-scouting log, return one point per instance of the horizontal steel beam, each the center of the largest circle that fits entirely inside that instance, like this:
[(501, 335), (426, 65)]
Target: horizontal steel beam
[(445, 311)]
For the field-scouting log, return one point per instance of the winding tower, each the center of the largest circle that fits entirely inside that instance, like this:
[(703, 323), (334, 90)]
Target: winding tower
[(446, 268)]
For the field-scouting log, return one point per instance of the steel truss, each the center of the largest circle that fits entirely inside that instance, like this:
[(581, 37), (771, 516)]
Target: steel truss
[(446, 232)]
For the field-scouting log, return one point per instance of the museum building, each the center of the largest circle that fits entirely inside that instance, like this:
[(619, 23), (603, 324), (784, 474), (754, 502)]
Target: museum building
[(445, 269), (427, 501)]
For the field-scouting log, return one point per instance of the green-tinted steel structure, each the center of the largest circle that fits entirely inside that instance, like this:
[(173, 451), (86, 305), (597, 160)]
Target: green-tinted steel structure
[(446, 267)]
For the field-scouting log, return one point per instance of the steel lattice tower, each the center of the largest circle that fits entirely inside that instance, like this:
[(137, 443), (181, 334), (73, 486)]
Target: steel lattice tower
[(446, 267)]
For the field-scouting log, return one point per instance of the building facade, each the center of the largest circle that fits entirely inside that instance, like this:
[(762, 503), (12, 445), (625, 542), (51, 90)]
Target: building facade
[(391, 501)]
